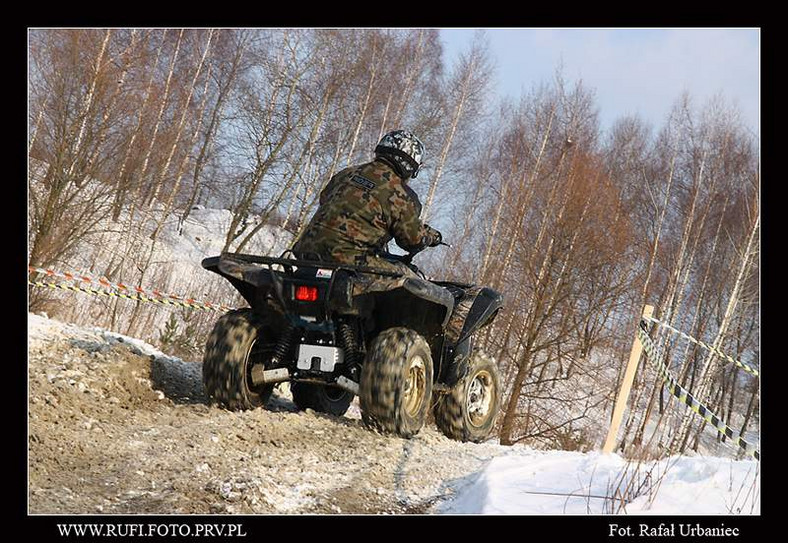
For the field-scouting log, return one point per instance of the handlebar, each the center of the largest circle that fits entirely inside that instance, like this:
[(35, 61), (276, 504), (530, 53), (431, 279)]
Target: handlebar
[(408, 258)]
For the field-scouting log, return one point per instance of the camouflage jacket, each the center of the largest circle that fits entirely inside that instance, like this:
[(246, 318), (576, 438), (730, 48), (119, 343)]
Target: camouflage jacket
[(361, 209)]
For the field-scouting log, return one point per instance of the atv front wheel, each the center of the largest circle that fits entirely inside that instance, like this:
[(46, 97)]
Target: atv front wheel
[(396, 382), (237, 342), (467, 412), (324, 399)]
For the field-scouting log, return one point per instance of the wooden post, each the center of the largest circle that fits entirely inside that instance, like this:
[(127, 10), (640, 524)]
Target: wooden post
[(626, 384)]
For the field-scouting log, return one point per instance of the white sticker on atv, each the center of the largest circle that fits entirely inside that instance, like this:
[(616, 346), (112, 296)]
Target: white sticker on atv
[(324, 274)]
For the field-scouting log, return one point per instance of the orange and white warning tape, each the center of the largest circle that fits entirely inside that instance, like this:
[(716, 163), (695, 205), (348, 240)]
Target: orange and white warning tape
[(120, 289)]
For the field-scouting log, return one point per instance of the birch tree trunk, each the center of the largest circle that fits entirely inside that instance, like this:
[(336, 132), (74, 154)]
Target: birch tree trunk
[(410, 81), (35, 131), (179, 174), (743, 271), (108, 108), (675, 284), (640, 372), (660, 222), (385, 115), (535, 307), (493, 234), (510, 410), (460, 242), (338, 148), (178, 131), (472, 75), (88, 104), (517, 230), (458, 109), (144, 267), (696, 316), (122, 185), (160, 116), (373, 69), (210, 133)]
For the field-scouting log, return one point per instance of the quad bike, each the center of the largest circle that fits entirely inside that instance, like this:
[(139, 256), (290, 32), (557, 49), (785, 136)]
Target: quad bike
[(401, 343)]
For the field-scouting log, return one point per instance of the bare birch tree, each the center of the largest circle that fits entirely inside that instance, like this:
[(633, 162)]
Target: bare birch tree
[(468, 87)]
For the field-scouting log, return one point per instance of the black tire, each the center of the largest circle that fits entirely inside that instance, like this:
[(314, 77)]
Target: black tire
[(232, 347), (324, 399), (396, 382), (468, 411)]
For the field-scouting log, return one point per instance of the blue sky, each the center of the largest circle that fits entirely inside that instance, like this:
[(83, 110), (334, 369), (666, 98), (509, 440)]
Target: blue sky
[(640, 71)]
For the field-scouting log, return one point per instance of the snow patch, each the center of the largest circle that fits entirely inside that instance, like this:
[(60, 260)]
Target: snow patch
[(562, 482)]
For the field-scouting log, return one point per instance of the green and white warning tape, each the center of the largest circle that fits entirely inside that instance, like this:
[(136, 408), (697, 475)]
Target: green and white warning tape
[(737, 363), (688, 399)]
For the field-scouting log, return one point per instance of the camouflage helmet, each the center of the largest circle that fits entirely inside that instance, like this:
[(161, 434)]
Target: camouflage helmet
[(404, 149)]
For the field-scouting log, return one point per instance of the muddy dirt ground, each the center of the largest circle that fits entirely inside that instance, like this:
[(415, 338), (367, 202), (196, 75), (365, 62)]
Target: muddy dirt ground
[(116, 431)]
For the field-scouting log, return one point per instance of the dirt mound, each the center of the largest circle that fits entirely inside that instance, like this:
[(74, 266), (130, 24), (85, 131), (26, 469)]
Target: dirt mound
[(115, 430)]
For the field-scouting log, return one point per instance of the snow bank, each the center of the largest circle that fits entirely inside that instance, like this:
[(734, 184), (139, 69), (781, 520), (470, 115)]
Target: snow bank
[(204, 235), (42, 330), (529, 482), (175, 263)]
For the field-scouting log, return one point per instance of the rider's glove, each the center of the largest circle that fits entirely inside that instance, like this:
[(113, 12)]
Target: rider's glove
[(432, 236)]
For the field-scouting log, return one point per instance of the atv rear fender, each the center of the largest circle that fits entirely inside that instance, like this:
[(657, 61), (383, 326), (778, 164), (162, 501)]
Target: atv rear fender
[(255, 278)]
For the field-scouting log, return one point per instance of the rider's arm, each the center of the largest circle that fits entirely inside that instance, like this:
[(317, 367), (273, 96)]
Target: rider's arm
[(408, 230)]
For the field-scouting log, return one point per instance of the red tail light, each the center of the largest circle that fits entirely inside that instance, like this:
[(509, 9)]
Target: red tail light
[(305, 294)]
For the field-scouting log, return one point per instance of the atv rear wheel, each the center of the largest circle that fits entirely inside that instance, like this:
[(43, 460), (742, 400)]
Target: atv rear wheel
[(396, 382), (238, 341), (324, 399), (468, 411)]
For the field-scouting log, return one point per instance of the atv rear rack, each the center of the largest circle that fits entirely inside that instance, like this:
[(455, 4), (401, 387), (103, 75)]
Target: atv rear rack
[(292, 262)]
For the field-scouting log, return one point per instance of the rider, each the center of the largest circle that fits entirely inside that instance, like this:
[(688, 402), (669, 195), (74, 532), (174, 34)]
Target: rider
[(364, 206)]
